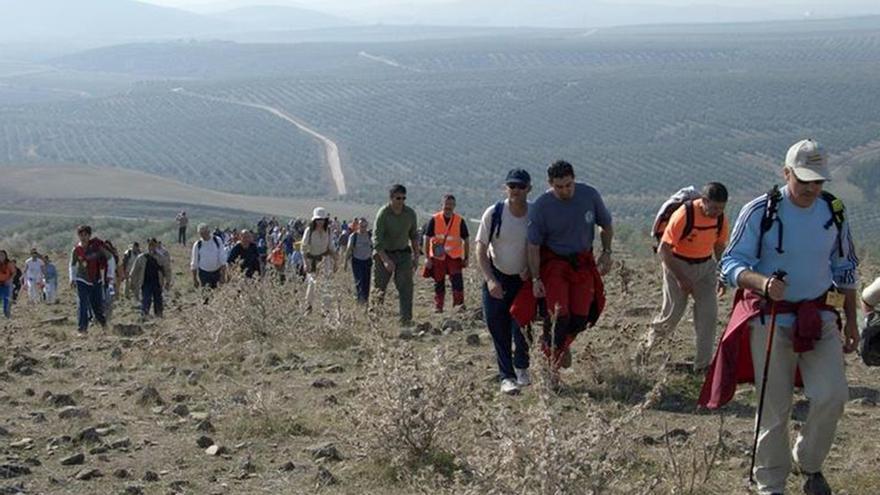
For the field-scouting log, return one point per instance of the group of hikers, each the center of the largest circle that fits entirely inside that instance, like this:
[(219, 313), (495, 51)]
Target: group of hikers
[(790, 256)]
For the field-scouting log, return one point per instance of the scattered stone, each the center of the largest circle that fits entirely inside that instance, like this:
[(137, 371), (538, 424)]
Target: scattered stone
[(180, 398), (134, 490), (127, 330), (287, 467), (89, 434), (323, 383), (15, 489), (29, 392), (424, 328), (272, 360), (122, 443), (192, 378), (58, 320), (88, 474), (335, 369), (473, 340), (331, 400), (100, 449), (151, 477), (181, 410), (150, 397), (204, 442), (205, 426), (22, 364), (72, 412), (59, 400), (24, 443), (38, 417), (122, 474), (406, 334), (325, 451), (215, 450), (675, 435), (451, 325), (116, 354), (178, 486), (4, 432), (864, 401), (74, 460), (9, 470), (325, 477), (248, 467), (60, 361), (199, 415)]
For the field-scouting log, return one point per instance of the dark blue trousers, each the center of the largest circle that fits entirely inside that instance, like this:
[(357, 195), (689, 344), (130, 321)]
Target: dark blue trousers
[(504, 330), (361, 270), (151, 295), (91, 301)]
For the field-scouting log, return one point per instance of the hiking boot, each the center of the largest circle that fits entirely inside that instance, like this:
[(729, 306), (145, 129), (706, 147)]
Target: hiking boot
[(523, 379), (565, 359), (508, 386), (816, 484)]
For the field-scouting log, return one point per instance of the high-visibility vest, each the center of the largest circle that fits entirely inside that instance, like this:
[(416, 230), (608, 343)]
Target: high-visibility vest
[(447, 239)]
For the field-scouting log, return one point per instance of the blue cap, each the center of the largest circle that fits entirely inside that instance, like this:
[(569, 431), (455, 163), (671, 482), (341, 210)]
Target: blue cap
[(518, 176)]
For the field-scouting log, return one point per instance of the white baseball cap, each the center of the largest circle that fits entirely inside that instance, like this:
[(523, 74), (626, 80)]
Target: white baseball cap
[(808, 161), (320, 213)]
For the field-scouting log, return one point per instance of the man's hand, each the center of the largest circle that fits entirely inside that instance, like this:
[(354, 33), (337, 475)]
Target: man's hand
[(604, 263), (537, 288), (720, 289), (775, 289), (388, 264), (850, 336), (495, 289)]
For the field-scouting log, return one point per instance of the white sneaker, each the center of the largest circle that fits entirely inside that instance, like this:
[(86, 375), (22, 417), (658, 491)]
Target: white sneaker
[(509, 387), (523, 379)]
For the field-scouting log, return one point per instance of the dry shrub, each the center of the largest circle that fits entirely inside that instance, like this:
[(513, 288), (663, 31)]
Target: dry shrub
[(266, 415)]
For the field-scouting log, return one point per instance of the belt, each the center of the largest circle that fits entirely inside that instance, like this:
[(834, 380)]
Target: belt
[(399, 251), (692, 261)]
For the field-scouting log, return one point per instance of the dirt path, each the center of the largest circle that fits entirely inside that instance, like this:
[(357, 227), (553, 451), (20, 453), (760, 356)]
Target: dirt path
[(331, 150)]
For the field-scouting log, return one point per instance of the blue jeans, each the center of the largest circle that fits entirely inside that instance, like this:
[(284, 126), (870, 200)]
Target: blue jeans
[(151, 295), (5, 291), (504, 330), (91, 298), (360, 269)]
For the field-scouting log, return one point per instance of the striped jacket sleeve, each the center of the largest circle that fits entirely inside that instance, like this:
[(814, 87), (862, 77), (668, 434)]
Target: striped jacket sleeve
[(845, 268), (742, 252)]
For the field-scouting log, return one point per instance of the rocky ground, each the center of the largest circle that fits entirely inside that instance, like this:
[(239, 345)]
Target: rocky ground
[(246, 394)]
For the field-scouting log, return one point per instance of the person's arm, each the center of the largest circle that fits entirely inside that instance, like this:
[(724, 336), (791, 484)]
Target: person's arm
[(606, 235), (71, 267), (414, 240), (465, 240), (846, 278), (740, 258), (194, 263)]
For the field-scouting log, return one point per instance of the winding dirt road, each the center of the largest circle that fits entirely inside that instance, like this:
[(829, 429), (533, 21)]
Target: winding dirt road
[(331, 151)]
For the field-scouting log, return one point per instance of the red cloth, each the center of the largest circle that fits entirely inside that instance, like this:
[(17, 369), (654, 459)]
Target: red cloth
[(94, 256), (524, 307), (733, 364)]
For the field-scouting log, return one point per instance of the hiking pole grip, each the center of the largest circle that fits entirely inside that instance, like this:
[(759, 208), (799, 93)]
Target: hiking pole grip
[(779, 274)]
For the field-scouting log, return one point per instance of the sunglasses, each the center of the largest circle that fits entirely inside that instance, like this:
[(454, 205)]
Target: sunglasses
[(813, 182), (399, 198), (517, 185)]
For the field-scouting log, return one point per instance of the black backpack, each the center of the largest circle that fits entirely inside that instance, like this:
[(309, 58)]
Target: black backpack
[(869, 344), (771, 216), (683, 197)]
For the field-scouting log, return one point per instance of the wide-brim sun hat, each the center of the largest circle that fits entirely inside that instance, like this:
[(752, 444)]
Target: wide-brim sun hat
[(320, 213)]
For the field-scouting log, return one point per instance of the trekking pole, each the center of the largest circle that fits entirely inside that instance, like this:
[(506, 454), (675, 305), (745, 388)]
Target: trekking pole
[(779, 274)]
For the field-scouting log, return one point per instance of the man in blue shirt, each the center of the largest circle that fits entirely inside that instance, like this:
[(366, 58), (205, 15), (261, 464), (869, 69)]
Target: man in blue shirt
[(810, 241), (562, 224)]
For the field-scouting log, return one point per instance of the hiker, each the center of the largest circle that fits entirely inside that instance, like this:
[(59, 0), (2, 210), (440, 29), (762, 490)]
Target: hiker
[(693, 239), (110, 285), (278, 262), (298, 262), (90, 265), (360, 251), (50, 290), (396, 242), (151, 272), (128, 258), (447, 251), (16, 280), (562, 222), (246, 251), (182, 222), (208, 259), (316, 247), (34, 276), (502, 255), (787, 248), (7, 272)]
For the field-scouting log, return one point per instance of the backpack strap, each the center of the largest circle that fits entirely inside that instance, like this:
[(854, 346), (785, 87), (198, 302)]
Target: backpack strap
[(495, 226), (688, 220), (838, 211), (771, 216), (720, 226)]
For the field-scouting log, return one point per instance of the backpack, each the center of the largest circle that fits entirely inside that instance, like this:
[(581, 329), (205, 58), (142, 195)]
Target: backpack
[(683, 197), (771, 216), (495, 225), (869, 344)]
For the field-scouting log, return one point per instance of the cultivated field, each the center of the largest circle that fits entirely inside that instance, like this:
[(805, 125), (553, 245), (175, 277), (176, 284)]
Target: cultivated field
[(246, 394)]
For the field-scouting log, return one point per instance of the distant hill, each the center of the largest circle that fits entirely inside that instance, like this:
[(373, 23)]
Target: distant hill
[(99, 19), (276, 17)]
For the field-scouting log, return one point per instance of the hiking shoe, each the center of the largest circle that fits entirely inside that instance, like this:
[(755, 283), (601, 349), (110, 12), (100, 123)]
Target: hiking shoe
[(816, 484), (523, 379), (508, 386), (565, 359)]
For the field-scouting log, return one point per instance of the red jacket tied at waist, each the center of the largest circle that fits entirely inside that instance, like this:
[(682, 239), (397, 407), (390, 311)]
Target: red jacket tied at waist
[(732, 363)]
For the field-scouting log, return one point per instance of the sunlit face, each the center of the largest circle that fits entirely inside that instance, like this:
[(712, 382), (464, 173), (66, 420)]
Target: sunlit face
[(713, 209), (803, 193), (517, 191), (563, 188), (205, 234), (448, 206), (362, 225), (83, 236)]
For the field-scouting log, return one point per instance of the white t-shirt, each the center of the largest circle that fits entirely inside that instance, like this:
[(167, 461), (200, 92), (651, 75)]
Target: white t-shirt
[(33, 269), (508, 249)]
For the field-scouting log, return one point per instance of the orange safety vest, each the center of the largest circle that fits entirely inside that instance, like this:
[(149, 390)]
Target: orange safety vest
[(447, 238), (277, 257)]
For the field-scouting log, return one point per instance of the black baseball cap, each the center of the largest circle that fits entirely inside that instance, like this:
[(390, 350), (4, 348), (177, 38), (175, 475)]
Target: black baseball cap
[(518, 176)]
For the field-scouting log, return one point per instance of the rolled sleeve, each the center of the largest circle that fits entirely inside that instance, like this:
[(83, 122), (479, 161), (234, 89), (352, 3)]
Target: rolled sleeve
[(845, 268)]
